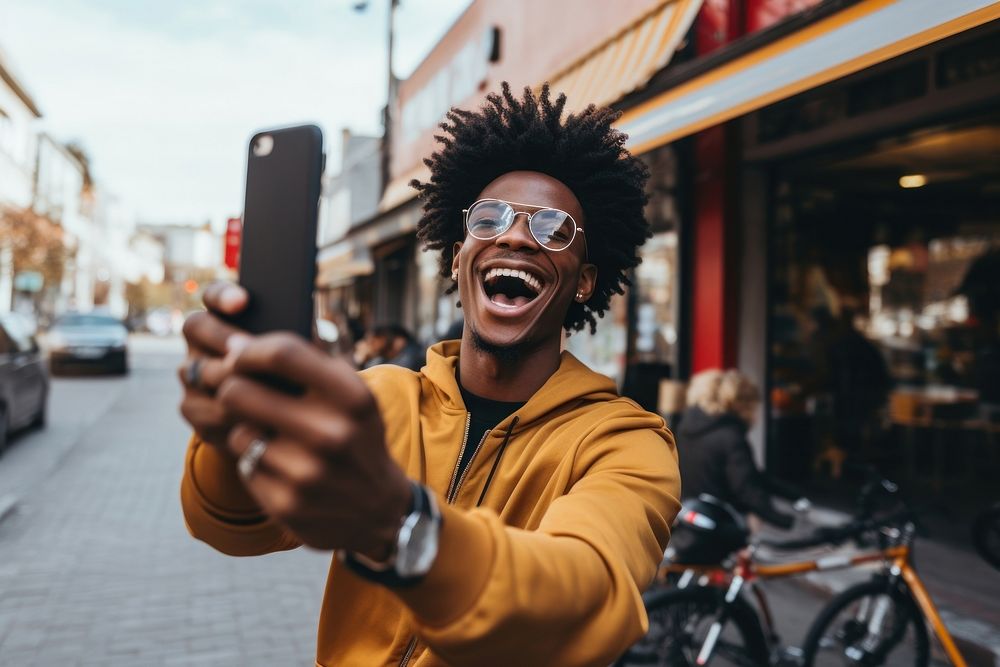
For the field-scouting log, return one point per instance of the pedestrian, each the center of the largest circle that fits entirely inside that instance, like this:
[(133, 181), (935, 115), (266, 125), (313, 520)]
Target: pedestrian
[(503, 505), (390, 344), (715, 457), (403, 349)]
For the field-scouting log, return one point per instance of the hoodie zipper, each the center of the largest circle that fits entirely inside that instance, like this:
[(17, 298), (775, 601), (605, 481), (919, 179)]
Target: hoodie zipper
[(456, 484), (461, 453), (455, 488), (409, 652), (452, 489)]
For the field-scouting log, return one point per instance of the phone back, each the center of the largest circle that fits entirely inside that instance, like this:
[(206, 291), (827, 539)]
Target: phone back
[(278, 248)]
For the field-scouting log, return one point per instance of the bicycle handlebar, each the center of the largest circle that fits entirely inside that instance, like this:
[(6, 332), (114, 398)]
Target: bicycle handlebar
[(837, 535)]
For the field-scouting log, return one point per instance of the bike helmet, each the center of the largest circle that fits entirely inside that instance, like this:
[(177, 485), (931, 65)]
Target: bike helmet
[(706, 531)]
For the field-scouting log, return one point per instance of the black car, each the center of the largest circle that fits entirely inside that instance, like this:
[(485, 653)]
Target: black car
[(24, 385), (88, 339)]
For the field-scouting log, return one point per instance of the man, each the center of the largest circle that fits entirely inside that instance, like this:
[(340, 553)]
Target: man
[(501, 506), (390, 344)]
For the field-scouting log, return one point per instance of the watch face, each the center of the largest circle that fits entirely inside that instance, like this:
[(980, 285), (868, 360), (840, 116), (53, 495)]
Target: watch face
[(417, 555)]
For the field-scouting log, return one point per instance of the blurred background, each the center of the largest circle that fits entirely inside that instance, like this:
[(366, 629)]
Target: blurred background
[(824, 197)]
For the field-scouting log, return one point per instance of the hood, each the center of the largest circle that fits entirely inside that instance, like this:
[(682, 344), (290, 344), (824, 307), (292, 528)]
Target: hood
[(696, 422), (572, 382)]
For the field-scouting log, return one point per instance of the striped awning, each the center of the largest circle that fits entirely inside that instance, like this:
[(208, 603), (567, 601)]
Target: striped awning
[(628, 60)]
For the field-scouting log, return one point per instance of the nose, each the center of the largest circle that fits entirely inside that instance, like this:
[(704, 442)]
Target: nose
[(518, 235)]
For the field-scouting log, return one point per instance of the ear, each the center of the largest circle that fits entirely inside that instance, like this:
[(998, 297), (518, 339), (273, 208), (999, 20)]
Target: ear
[(455, 249), (586, 283)]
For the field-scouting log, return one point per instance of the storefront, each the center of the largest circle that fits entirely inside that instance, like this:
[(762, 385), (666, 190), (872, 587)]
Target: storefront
[(882, 226)]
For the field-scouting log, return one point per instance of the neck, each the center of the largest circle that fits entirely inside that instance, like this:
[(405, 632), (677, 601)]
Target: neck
[(486, 375)]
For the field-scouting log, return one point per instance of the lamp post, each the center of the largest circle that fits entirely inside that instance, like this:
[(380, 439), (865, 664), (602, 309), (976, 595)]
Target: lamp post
[(393, 86)]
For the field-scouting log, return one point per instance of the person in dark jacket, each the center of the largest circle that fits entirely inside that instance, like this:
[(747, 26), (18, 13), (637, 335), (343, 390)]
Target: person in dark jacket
[(390, 344), (715, 457)]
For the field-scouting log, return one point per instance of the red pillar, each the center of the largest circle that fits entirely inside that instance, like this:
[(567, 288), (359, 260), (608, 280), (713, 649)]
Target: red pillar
[(713, 332), (714, 326)]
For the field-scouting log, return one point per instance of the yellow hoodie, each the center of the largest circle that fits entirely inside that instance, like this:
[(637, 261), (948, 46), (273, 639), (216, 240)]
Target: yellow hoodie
[(548, 570)]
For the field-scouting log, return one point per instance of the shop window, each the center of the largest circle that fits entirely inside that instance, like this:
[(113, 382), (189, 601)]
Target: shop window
[(637, 340), (968, 62), (800, 115), (889, 89), (884, 311)]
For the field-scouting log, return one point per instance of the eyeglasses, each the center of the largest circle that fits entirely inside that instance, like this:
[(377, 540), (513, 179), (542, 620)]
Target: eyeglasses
[(553, 229)]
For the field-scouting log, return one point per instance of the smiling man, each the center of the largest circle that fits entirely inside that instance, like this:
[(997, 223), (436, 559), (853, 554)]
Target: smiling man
[(501, 506)]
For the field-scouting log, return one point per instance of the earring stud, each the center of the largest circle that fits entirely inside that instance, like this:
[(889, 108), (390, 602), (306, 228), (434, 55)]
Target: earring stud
[(454, 275), (579, 296)]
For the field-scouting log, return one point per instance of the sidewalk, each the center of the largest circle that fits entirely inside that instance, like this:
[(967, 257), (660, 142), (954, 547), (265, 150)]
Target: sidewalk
[(98, 569), (965, 589)]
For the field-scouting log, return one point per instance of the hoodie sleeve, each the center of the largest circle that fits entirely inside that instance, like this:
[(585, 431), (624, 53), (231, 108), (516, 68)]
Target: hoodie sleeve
[(568, 593), (219, 511)]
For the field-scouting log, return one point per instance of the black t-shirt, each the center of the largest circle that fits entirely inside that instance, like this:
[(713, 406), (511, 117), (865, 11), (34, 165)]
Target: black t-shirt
[(485, 415)]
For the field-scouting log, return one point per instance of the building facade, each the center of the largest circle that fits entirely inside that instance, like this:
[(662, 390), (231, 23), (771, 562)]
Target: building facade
[(19, 116), (350, 198), (823, 189), (839, 229)]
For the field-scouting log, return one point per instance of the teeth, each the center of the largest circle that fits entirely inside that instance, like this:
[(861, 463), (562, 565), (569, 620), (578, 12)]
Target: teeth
[(528, 279)]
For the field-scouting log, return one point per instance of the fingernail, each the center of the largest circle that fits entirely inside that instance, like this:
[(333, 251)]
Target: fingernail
[(231, 296), (236, 343)]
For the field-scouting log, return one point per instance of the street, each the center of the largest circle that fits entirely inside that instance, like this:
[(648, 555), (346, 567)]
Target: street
[(97, 567)]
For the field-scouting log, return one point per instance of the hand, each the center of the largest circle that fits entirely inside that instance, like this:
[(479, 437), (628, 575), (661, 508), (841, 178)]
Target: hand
[(325, 474), (206, 365)]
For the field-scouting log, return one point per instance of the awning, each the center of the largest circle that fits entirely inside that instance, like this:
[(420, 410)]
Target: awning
[(627, 60), (343, 261), (846, 42), (603, 75)]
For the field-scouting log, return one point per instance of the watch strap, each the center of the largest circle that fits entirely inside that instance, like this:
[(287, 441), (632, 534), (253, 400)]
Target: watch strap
[(385, 572)]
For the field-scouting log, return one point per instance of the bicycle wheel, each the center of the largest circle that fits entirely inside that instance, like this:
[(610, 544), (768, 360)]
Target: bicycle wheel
[(679, 620), (986, 535), (867, 625)]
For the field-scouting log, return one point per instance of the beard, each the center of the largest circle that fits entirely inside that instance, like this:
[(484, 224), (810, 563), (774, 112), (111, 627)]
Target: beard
[(507, 354)]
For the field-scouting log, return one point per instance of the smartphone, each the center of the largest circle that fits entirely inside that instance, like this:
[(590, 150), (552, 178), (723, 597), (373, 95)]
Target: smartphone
[(278, 248)]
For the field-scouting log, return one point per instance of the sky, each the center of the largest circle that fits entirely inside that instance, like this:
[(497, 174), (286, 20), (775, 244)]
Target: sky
[(164, 95)]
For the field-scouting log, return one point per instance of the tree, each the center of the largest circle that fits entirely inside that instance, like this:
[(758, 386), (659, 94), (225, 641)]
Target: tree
[(36, 243)]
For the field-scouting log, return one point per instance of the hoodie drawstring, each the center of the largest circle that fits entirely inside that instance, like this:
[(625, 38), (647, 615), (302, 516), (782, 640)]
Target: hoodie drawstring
[(496, 460)]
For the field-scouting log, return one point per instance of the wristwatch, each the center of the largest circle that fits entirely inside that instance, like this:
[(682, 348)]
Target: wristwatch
[(416, 545)]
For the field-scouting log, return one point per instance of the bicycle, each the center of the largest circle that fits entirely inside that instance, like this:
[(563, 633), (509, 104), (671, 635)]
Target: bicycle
[(704, 615)]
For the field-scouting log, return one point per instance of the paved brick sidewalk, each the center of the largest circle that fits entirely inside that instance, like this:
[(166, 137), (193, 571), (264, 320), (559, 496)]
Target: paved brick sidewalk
[(97, 568)]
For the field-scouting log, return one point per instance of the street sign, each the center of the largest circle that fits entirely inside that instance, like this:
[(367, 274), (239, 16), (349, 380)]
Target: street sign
[(234, 231), (28, 281)]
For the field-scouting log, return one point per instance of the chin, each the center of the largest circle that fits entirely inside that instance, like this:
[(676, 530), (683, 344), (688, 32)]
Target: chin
[(505, 350)]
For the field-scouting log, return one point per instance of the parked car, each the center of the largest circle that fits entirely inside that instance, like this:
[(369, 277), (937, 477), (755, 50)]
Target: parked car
[(88, 339), (24, 384)]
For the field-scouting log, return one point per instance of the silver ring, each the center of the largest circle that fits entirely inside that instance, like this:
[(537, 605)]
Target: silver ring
[(247, 463), (192, 374)]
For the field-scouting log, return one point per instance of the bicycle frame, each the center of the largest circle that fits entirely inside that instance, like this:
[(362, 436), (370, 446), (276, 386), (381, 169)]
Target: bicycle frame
[(747, 571)]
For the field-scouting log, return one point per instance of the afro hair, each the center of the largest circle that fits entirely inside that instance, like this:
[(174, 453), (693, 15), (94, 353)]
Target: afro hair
[(582, 151)]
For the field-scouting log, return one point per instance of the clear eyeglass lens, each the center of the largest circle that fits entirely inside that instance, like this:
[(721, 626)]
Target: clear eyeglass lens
[(490, 219), (553, 228)]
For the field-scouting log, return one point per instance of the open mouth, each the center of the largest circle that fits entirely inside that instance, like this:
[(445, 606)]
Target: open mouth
[(511, 288)]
